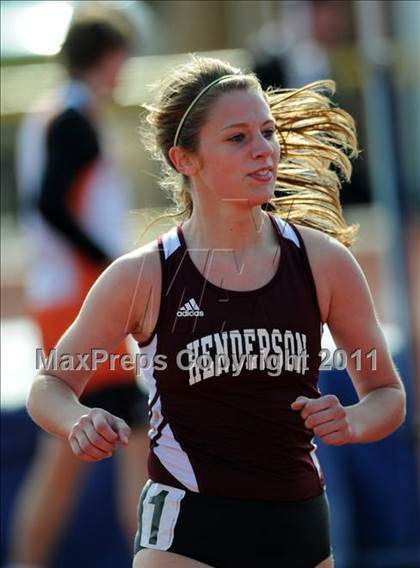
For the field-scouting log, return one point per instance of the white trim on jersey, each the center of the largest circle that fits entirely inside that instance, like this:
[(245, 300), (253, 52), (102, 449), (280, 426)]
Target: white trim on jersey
[(314, 458), (287, 231), (147, 374), (171, 242), (175, 460), (168, 450)]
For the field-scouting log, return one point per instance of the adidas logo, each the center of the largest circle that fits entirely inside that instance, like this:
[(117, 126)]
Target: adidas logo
[(190, 309)]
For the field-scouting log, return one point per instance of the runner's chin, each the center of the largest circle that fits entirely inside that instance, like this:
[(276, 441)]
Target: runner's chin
[(259, 193)]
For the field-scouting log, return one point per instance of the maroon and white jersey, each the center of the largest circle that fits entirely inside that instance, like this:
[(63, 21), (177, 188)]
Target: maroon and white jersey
[(228, 365)]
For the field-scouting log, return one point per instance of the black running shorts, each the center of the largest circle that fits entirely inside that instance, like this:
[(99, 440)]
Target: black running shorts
[(233, 533)]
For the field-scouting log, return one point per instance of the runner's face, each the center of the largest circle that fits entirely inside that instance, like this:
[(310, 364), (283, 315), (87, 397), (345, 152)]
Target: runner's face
[(238, 149)]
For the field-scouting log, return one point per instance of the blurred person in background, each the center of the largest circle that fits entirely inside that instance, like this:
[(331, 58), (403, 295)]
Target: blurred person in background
[(298, 48), (74, 206)]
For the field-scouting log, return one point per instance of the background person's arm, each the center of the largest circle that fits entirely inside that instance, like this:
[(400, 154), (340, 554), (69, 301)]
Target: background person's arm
[(72, 146)]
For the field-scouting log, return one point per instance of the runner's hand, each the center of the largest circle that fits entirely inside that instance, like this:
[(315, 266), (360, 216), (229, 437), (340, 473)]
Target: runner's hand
[(326, 417), (97, 435)]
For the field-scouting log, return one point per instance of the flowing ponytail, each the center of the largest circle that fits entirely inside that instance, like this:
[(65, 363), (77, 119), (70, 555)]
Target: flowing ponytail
[(317, 140)]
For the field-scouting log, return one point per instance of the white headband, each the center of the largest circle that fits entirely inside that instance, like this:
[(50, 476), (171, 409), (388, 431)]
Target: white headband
[(200, 94)]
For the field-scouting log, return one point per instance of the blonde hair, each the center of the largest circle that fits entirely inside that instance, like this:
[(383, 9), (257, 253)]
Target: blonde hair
[(317, 141)]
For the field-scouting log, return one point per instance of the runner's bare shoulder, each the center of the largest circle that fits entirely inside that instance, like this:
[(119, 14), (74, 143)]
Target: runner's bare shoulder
[(129, 286)]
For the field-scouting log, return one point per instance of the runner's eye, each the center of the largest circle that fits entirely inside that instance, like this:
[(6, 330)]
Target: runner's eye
[(237, 138), (269, 132)]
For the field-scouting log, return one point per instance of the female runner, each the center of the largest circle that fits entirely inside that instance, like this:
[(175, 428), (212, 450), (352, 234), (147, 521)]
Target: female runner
[(228, 307)]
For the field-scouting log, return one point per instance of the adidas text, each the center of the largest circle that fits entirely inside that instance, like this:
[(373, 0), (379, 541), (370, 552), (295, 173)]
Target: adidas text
[(190, 309), (186, 313)]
